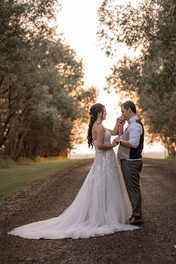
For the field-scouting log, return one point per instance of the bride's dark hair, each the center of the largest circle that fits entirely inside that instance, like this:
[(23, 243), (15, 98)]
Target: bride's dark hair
[(94, 110)]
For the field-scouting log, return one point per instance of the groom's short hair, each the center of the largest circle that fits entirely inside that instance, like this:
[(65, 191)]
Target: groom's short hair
[(129, 104)]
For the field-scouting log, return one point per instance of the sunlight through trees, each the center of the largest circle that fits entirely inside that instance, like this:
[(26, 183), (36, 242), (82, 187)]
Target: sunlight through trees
[(150, 28), (42, 95)]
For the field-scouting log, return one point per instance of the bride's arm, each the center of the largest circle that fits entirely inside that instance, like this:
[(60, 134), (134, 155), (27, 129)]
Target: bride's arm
[(100, 139)]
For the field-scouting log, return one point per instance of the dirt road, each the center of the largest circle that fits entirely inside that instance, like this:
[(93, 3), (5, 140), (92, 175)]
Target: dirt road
[(154, 242)]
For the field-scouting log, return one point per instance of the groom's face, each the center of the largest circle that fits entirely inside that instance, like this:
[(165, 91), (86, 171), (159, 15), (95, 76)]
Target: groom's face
[(125, 113)]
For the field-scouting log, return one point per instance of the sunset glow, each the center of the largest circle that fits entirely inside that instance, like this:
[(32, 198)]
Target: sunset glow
[(78, 21)]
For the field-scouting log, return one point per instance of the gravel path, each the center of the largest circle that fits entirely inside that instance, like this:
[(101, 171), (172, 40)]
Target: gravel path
[(154, 242)]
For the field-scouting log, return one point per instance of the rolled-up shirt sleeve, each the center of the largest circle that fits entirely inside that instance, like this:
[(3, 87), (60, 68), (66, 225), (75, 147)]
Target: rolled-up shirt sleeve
[(135, 131)]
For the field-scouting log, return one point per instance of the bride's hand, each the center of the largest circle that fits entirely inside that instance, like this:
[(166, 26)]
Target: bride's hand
[(114, 143), (121, 120), (117, 140)]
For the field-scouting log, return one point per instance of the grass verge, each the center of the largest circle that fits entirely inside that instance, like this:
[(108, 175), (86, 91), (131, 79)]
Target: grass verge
[(19, 178), (167, 160)]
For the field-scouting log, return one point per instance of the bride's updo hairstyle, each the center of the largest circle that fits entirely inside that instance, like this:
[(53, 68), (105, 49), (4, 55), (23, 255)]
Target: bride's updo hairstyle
[(94, 110)]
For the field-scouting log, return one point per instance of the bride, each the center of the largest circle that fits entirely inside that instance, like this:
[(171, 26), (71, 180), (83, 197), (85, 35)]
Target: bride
[(102, 205)]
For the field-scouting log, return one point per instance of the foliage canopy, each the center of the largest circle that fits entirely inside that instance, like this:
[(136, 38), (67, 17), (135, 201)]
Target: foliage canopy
[(151, 76), (42, 95)]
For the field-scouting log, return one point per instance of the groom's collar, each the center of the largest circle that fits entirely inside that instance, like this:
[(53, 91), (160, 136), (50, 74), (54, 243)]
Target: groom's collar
[(133, 118)]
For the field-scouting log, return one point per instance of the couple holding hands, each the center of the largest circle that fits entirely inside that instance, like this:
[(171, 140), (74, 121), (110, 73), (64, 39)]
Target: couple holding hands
[(109, 199)]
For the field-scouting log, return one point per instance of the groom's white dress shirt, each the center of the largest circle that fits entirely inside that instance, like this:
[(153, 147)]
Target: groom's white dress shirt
[(135, 131)]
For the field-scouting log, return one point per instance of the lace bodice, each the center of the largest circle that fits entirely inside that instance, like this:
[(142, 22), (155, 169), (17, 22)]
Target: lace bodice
[(103, 156), (107, 138), (100, 154)]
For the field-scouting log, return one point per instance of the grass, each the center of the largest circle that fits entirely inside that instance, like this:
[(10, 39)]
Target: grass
[(19, 178), (168, 160), (15, 178)]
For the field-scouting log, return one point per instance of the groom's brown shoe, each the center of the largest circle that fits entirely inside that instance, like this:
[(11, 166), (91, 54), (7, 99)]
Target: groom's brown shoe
[(134, 221)]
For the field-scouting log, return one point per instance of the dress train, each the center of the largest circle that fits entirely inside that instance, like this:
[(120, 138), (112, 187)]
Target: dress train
[(101, 206)]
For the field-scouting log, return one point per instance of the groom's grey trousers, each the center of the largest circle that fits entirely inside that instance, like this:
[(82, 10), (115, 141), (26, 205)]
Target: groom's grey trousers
[(131, 173)]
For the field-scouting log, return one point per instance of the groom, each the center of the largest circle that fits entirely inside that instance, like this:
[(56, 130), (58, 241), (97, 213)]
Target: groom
[(130, 156)]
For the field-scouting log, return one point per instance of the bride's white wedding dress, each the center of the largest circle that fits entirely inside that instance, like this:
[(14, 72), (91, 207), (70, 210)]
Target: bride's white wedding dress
[(101, 206)]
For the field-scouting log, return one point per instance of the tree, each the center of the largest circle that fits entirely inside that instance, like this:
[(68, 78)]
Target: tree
[(41, 83), (149, 28), (21, 25)]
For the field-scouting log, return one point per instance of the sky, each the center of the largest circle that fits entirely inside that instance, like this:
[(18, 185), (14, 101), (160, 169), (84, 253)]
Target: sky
[(78, 20)]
